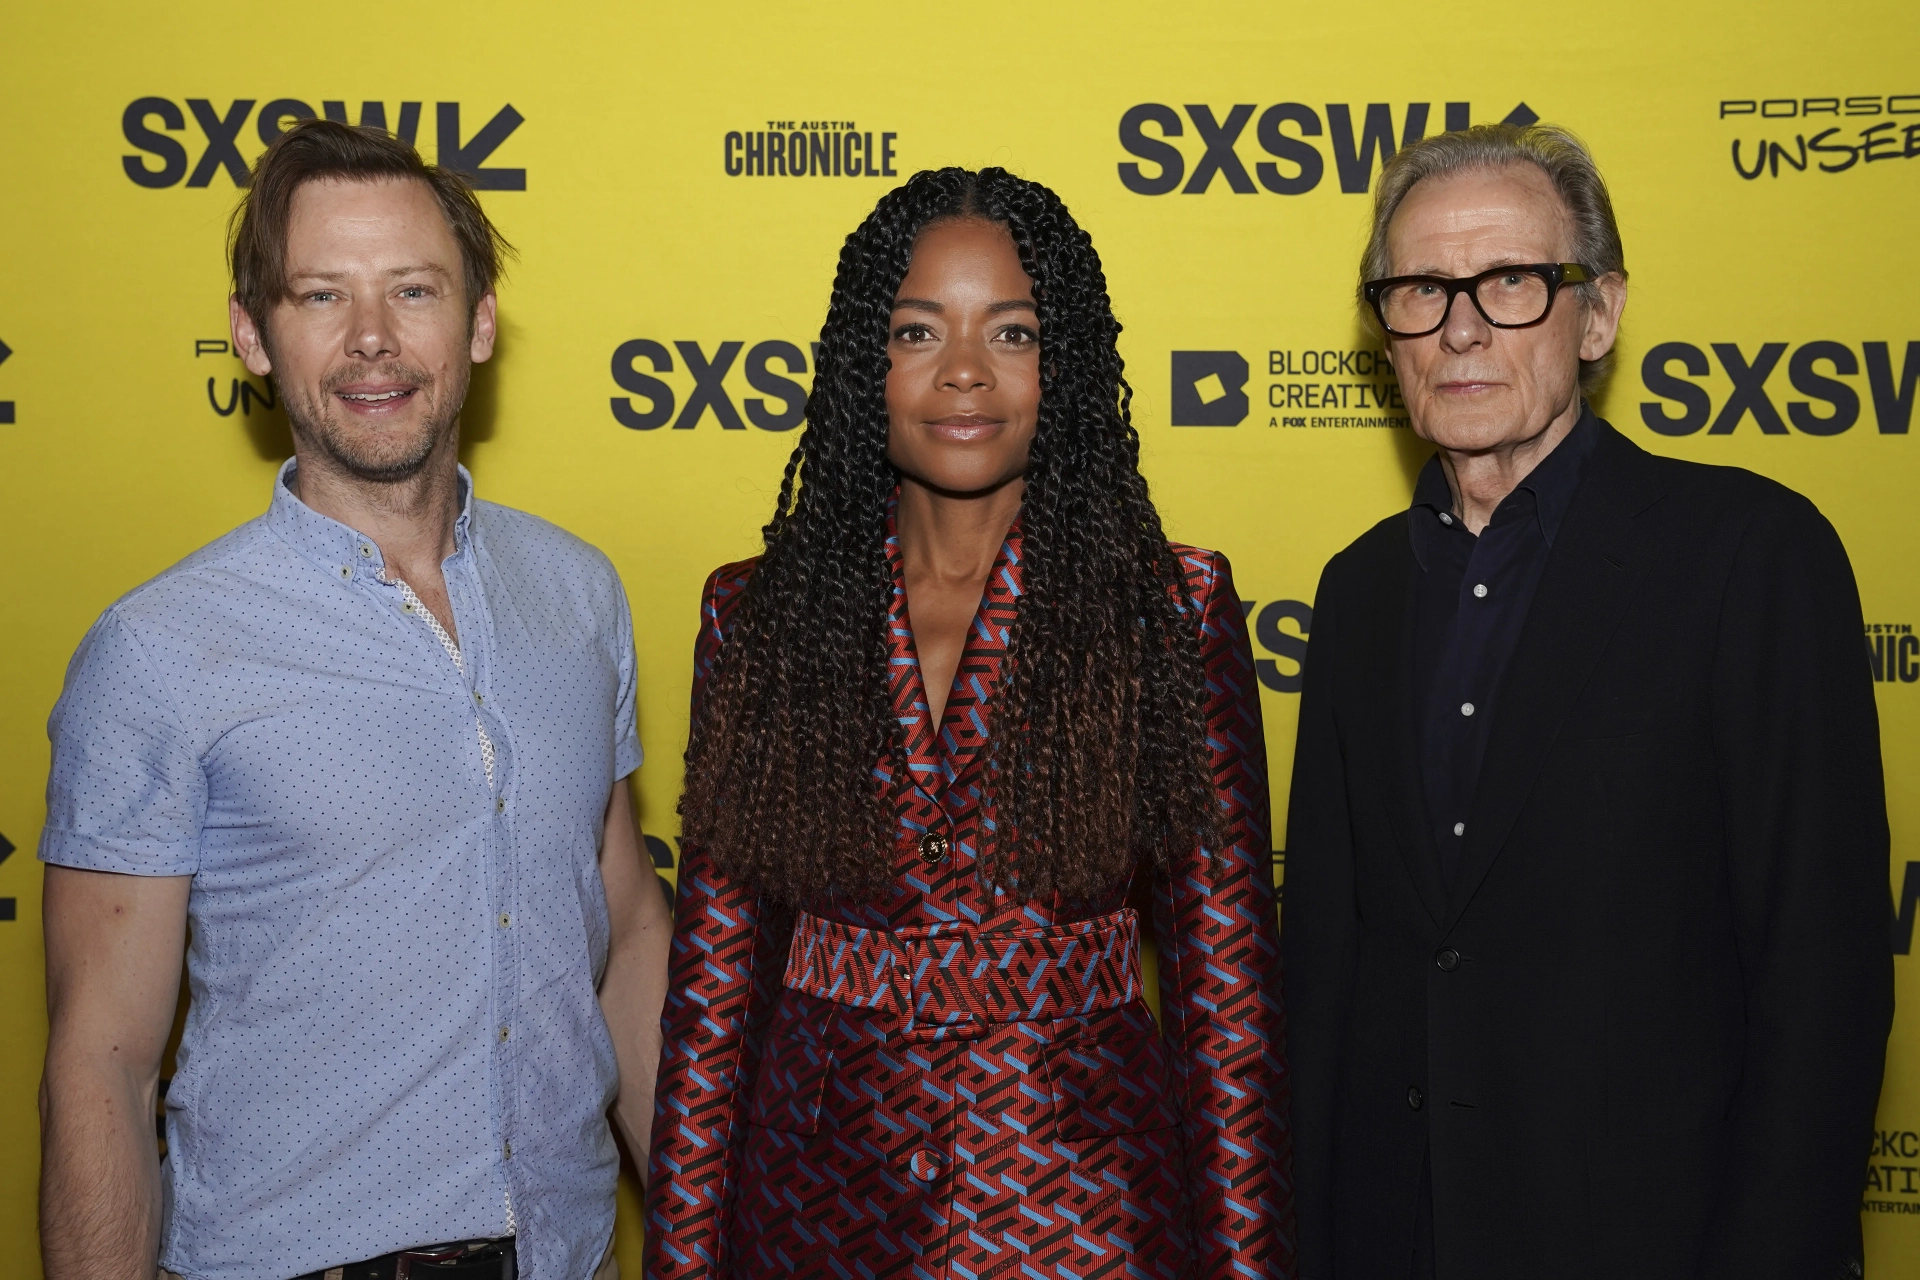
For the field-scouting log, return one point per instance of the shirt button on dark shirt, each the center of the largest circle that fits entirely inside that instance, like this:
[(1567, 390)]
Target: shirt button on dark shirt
[(1415, 1098), (1447, 958)]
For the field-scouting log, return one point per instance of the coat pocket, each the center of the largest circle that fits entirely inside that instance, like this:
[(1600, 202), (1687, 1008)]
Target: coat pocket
[(1110, 1081), (792, 1084)]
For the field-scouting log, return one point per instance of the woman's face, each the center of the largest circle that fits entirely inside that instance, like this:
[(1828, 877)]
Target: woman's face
[(963, 387)]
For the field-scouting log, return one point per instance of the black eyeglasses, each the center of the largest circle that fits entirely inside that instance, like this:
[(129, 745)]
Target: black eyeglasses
[(1508, 297)]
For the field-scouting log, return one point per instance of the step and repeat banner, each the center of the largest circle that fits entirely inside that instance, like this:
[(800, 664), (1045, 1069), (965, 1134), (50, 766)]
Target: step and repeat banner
[(678, 181)]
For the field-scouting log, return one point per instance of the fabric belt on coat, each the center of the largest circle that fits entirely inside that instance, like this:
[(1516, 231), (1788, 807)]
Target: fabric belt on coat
[(954, 981)]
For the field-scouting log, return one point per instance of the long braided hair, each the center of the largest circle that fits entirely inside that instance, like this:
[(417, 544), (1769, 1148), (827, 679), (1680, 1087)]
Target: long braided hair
[(1096, 756)]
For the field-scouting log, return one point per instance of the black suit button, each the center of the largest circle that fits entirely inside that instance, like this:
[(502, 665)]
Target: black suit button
[(1415, 1098), (1447, 958)]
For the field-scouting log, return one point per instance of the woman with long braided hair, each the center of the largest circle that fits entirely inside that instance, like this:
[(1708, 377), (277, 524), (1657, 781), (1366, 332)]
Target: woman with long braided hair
[(967, 705)]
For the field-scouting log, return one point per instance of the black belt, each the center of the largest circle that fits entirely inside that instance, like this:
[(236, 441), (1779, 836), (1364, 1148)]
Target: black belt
[(470, 1260)]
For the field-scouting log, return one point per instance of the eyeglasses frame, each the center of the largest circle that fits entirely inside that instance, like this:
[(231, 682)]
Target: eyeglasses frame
[(1554, 273)]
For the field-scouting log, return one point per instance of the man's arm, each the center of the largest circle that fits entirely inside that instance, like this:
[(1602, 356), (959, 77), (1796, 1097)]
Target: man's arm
[(1319, 936), (635, 983), (114, 944), (1796, 740)]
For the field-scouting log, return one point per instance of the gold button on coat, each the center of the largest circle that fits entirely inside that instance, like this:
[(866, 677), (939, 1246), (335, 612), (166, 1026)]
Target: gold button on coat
[(933, 847)]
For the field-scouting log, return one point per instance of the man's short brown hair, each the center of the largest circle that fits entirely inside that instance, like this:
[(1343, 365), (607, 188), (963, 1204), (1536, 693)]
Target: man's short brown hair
[(314, 150)]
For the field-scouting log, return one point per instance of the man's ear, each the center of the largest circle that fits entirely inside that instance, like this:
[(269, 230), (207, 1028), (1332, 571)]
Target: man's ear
[(248, 340), (1603, 316), (485, 320)]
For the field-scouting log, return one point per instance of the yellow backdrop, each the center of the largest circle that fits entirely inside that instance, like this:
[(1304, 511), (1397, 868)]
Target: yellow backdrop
[(678, 181)]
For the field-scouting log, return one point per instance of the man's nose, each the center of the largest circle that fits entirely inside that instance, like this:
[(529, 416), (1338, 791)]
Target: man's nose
[(372, 335), (1464, 327)]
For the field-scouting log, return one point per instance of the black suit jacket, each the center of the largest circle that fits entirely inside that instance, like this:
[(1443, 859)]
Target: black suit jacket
[(1643, 1034)]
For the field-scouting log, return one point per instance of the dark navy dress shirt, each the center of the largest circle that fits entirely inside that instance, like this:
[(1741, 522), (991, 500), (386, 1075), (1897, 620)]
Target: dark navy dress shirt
[(1470, 603)]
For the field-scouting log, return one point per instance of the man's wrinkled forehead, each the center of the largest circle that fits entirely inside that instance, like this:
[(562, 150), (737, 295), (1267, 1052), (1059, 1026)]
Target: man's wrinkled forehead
[(392, 225), (1496, 216)]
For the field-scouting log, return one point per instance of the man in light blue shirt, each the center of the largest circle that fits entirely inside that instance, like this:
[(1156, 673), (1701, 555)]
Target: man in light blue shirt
[(369, 752)]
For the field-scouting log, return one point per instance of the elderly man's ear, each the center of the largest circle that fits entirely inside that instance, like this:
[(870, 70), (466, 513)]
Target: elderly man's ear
[(1603, 316)]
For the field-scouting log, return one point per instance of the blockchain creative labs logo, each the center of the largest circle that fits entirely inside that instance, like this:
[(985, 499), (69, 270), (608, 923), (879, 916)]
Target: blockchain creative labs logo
[(686, 385), (157, 130), (1360, 139), (1308, 387), (1208, 389), (809, 149), (1893, 1169), (1821, 134), (1826, 374)]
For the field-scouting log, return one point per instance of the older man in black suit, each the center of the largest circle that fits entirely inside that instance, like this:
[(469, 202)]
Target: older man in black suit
[(1588, 963)]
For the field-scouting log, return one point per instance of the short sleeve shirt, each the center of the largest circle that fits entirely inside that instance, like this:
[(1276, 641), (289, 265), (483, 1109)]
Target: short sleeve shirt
[(394, 1037)]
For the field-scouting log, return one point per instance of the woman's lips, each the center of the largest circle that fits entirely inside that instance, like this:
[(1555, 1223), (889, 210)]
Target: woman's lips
[(964, 427)]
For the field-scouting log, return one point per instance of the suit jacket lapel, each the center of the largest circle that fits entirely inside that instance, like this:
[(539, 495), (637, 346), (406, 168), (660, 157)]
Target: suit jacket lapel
[(904, 686), (936, 758), (1378, 668), (1594, 571), (963, 727)]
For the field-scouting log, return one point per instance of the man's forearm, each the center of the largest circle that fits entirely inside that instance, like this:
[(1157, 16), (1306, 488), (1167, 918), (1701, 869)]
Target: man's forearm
[(99, 1175), (631, 995)]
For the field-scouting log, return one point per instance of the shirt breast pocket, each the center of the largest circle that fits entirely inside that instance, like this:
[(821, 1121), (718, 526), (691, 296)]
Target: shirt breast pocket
[(792, 1084), (1110, 1080)]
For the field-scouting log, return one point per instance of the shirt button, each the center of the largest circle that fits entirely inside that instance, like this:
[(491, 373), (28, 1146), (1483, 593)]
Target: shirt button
[(1466, 708), (934, 847), (505, 919), (1445, 518), (499, 804), (1447, 958), (508, 1148), (503, 1033), (1480, 590), (480, 700), (346, 571), (1415, 1098), (365, 550), (924, 1165), (1459, 828)]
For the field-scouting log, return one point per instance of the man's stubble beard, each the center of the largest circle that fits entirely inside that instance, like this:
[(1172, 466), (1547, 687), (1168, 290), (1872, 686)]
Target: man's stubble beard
[(378, 458)]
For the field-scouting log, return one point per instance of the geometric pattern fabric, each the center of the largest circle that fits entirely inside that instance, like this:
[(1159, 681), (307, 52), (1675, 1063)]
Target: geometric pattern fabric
[(932, 1118)]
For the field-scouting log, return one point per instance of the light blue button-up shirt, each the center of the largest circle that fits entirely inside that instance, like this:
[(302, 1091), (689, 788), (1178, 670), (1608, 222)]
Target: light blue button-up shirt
[(394, 1037)]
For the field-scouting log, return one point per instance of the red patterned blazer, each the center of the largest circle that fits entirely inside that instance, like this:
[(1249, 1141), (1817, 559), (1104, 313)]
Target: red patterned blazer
[(948, 1083)]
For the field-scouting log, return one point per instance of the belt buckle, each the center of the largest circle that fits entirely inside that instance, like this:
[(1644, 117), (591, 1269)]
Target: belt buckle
[(954, 981), (404, 1260)]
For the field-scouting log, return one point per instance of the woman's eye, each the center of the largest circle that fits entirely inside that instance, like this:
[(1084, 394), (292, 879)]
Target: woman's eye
[(913, 333), (1018, 335)]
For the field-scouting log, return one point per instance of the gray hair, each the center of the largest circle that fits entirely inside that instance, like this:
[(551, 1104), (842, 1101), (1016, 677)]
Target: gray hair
[(1557, 153)]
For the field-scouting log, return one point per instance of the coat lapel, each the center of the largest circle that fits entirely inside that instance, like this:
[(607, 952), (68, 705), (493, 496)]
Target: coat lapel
[(938, 756), (963, 727), (1592, 574), (1387, 651)]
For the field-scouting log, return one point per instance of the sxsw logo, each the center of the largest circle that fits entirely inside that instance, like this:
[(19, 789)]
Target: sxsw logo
[(1281, 132), (1265, 620), (659, 402), (1209, 389), (1826, 373), (149, 125)]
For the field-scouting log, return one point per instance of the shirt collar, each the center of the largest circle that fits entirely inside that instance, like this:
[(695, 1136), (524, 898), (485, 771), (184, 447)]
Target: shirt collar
[(340, 550), (1550, 486)]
